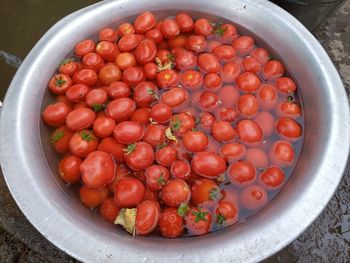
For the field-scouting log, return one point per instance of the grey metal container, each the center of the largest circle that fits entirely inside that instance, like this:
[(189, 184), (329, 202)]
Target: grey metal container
[(29, 164)]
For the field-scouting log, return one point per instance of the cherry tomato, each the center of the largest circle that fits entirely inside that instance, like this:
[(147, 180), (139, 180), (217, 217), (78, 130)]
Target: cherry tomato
[(229, 33), (92, 61), (273, 69), (175, 192), (198, 221), (125, 60), (191, 79), (248, 105), (125, 29), (212, 81), (77, 93), (229, 193), (207, 120), (175, 97), (185, 22), (226, 213), (261, 54), (109, 210), (196, 43), (133, 76), (248, 82), (103, 126), (121, 109), (233, 151), (249, 131), (282, 154), (253, 197), (224, 52), (181, 169), (169, 28), (69, 67), (243, 44), (156, 177), (184, 59), (80, 119), (55, 114), (227, 114), (139, 155), (177, 42), (267, 96), (145, 93), (147, 217), (109, 73), (272, 178), (251, 64), (208, 63), (285, 85), (82, 143), (195, 141), (242, 173), (167, 79), (150, 195), (202, 27), (107, 34), (92, 197), (212, 44), (85, 76), (151, 70), (229, 96), (141, 115), (111, 146), (209, 100), (60, 139), (183, 122), (223, 131), (128, 42), (266, 121), (166, 156), (155, 35), (145, 51), (129, 192), (288, 109), (107, 50), (208, 164), (154, 135), (68, 169), (84, 47), (161, 112), (170, 223), (205, 192), (257, 157), (128, 132), (288, 128), (230, 71), (96, 98), (60, 83), (144, 22)]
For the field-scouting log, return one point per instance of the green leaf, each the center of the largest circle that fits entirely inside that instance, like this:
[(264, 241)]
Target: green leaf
[(66, 61), (59, 81), (58, 134), (161, 180), (98, 107), (153, 93), (87, 136), (213, 194), (130, 148), (200, 215), (175, 124), (183, 209), (220, 219)]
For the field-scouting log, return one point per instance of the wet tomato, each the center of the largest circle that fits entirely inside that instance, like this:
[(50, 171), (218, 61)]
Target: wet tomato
[(156, 177), (109, 210), (288, 109), (68, 169), (60, 83), (226, 213), (92, 197), (85, 76), (249, 131), (169, 28), (181, 169), (248, 82), (198, 221), (55, 114), (208, 63), (84, 47), (145, 22), (185, 22), (195, 141), (272, 178), (175, 97), (128, 132), (282, 153), (191, 79), (147, 217), (242, 173), (233, 151), (129, 192), (77, 93), (170, 223), (202, 27), (145, 51), (266, 121), (288, 128), (205, 192), (175, 192), (257, 157), (285, 85), (125, 60), (248, 105), (141, 115), (109, 73), (139, 155), (154, 135), (111, 146), (121, 109), (60, 139), (133, 76), (167, 79), (243, 44), (92, 61), (103, 126), (82, 143), (223, 131), (161, 112), (273, 69), (128, 42), (166, 156), (208, 164), (80, 119)]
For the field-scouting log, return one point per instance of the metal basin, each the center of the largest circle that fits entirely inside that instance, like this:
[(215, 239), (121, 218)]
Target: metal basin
[(29, 164)]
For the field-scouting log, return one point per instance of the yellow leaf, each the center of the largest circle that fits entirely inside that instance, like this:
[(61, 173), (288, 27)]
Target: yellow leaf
[(169, 134), (127, 219)]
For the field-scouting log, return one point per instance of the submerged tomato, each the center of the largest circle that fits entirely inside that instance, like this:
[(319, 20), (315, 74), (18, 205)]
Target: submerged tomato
[(198, 221), (175, 192), (170, 223), (147, 217), (208, 164)]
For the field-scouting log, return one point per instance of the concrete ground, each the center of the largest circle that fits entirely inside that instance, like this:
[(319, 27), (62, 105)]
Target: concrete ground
[(326, 240)]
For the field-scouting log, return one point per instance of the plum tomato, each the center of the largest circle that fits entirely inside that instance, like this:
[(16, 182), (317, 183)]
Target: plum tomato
[(107, 50), (141, 115), (223, 131), (145, 51), (68, 169), (282, 154), (251, 64), (288, 109), (212, 81), (273, 69), (208, 164), (85, 76), (155, 35), (84, 47), (96, 98), (151, 70), (261, 54), (272, 178), (191, 79), (55, 114), (80, 119), (128, 42), (230, 71), (175, 97), (248, 105), (208, 63), (60, 83), (121, 109), (195, 141), (207, 120), (242, 173), (144, 22), (147, 217), (249, 131), (60, 139), (184, 59), (198, 221), (154, 135), (129, 192), (82, 143), (111, 146), (224, 52), (170, 223), (145, 93), (175, 192), (228, 96), (248, 82), (121, 171), (253, 197), (109, 210), (285, 85), (133, 76), (125, 29), (150, 195), (205, 192), (169, 28), (77, 93), (203, 27), (161, 113), (267, 96), (92, 61), (167, 79), (103, 126), (227, 114), (125, 60), (265, 120), (288, 128), (107, 34), (227, 32), (118, 90), (128, 132), (233, 151), (166, 156), (226, 213), (139, 155), (257, 157), (196, 43), (243, 44), (109, 73), (69, 66), (181, 169), (185, 22), (209, 100), (93, 197), (156, 177), (182, 122)]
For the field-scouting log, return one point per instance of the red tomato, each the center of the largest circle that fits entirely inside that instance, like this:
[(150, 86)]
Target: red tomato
[(154, 135), (248, 105), (253, 197), (144, 22), (170, 223), (151, 70), (209, 100), (60, 83), (175, 192), (128, 42), (224, 52), (60, 139), (182, 122), (92, 197), (96, 98), (242, 173), (203, 27), (167, 79), (208, 63), (125, 29), (191, 79), (85, 76), (68, 169), (166, 156), (288, 109), (282, 154), (145, 51), (257, 157), (145, 93), (97, 169), (80, 119), (82, 143), (103, 126), (233, 151), (109, 73), (109, 210), (169, 28), (107, 34), (156, 177), (227, 114), (129, 192), (248, 82), (118, 90), (267, 96), (185, 22), (181, 169), (229, 96), (84, 47), (111, 146), (77, 93), (121, 109), (229, 33), (266, 121), (125, 60), (177, 42), (139, 156), (55, 114), (273, 69), (226, 213), (249, 131), (223, 131), (128, 132), (69, 67), (196, 43), (184, 59), (212, 81), (207, 120), (175, 97), (205, 192), (107, 50), (161, 112), (151, 195), (230, 71), (285, 85), (212, 44), (251, 64), (261, 54), (288, 128), (195, 141), (243, 44), (155, 35), (141, 115), (208, 164), (272, 178), (133, 76), (198, 221), (92, 61), (147, 217)]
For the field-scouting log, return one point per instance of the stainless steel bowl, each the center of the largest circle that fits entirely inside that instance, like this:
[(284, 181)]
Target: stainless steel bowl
[(29, 165)]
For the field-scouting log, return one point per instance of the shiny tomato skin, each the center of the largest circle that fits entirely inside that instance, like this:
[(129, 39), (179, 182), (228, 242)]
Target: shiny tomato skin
[(267, 96), (175, 97), (253, 197), (92, 197), (230, 71), (80, 119), (202, 27), (55, 114), (208, 164), (133, 76), (109, 210), (60, 139), (161, 112), (181, 169), (129, 192), (261, 54), (77, 93), (184, 121), (154, 135), (96, 97), (249, 131), (242, 173), (60, 83), (191, 79), (121, 109), (233, 151), (198, 221), (166, 156), (155, 35), (248, 82), (141, 115), (144, 22), (243, 44), (248, 105), (92, 61), (226, 213), (257, 157), (97, 169), (207, 120), (223, 131), (145, 51), (230, 33), (82, 143), (107, 50), (285, 85), (282, 154), (84, 47), (85, 76), (111, 146), (212, 81), (196, 43), (170, 223), (121, 171), (175, 192), (147, 217), (209, 100), (227, 114), (151, 195), (69, 68), (156, 177), (141, 157), (109, 73), (125, 60), (288, 128), (167, 79), (272, 178), (169, 28), (151, 70), (127, 132), (128, 42), (288, 109), (68, 169), (107, 34), (126, 28), (184, 59), (208, 63), (224, 52), (195, 141), (185, 22), (251, 64), (273, 69), (145, 93), (103, 126), (205, 192)]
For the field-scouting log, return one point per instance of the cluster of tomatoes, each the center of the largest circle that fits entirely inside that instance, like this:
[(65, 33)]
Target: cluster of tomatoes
[(173, 125)]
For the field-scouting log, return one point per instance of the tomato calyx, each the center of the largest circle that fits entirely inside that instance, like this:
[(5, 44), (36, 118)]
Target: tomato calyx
[(200, 215), (175, 125), (130, 148), (87, 136), (166, 65), (169, 134), (127, 219), (183, 209), (161, 180), (153, 93), (218, 29), (161, 145), (67, 61), (214, 194), (57, 136), (98, 107), (220, 219), (59, 81)]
